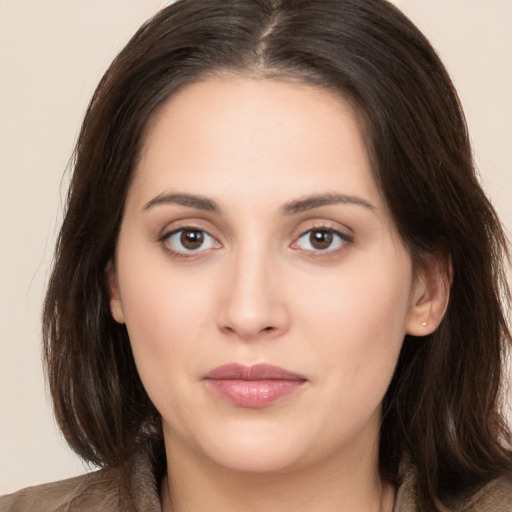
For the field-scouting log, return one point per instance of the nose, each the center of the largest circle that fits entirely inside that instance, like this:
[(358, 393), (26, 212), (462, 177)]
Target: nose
[(253, 300)]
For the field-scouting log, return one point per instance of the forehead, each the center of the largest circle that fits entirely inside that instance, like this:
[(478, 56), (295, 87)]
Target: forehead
[(246, 131)]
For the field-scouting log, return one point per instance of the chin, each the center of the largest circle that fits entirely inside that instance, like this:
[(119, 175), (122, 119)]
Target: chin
[(257, 459), (245, 446)]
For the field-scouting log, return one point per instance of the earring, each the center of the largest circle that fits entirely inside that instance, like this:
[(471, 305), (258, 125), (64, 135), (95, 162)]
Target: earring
[(424, 324)]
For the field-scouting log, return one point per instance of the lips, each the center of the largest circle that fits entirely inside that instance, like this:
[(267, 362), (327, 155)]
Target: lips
[(253, 386)]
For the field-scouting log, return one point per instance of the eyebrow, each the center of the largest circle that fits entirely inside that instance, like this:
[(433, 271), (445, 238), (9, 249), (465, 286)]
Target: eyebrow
[(190, 200), (316, 201), (291, 208)]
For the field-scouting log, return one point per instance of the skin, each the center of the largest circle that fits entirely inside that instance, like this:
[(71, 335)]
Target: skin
[(259, 291)]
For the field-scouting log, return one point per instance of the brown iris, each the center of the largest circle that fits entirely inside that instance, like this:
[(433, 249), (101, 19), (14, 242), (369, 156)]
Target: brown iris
[(320, 239), (192, 239)]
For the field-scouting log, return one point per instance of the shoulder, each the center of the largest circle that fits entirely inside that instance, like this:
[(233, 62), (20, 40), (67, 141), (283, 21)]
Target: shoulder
[(496, 496), (97, 491), (106, 490)]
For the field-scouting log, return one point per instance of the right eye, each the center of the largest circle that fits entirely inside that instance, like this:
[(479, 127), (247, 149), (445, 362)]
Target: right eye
[(188, 241), (322, 240)]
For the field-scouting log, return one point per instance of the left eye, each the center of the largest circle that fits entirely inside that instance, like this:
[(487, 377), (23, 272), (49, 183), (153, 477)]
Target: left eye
[(189, 240), (321, 239)]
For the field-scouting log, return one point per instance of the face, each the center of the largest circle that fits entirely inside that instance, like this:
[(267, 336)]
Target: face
[(264, 288)]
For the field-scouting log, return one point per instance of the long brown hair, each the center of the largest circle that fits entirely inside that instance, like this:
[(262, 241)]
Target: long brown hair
[(442, 410)]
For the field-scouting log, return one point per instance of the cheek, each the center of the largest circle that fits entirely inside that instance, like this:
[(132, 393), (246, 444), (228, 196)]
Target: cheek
[(159, 319), (355, 326), (164, 333), (161, 312)]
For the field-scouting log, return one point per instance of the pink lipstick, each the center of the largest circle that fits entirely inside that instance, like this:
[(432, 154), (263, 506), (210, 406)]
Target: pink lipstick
[(252, 386)]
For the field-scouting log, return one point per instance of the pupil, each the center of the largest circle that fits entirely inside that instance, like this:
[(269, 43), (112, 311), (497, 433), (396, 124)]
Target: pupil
[(192, 239), (320, 239)]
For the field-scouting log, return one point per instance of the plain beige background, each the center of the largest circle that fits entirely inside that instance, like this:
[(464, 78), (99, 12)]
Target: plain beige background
[(52, 54)]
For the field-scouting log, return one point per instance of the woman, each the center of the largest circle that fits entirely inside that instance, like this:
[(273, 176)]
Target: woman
[(278, 284)]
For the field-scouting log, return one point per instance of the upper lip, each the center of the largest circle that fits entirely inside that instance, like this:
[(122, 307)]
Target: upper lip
[(235, 371)]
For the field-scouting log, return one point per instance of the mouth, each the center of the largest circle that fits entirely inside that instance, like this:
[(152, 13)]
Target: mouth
[(252, 386)]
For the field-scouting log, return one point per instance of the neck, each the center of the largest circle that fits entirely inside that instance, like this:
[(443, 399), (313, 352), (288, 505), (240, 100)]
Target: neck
[(328, 486)]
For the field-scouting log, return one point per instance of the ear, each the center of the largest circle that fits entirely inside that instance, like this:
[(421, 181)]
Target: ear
[(116, 306), (430, 295)]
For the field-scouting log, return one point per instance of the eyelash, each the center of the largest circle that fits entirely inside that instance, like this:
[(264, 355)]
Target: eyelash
[(344, 240), (165, 238)]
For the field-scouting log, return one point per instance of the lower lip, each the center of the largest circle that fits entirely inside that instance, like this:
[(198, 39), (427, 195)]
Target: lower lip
[(253, 393)]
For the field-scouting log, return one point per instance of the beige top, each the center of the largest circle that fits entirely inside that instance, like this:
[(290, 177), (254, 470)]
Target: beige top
[(101, 491)]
